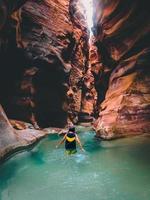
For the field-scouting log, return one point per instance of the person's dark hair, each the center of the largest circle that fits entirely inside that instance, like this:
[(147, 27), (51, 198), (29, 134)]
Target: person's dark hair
[(72, 129)]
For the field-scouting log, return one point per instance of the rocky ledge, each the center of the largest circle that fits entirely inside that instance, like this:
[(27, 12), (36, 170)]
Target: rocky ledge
[(21, 137)]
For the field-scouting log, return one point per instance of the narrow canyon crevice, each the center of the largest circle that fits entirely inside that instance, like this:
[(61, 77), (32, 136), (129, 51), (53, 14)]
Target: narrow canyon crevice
[(52, 76)]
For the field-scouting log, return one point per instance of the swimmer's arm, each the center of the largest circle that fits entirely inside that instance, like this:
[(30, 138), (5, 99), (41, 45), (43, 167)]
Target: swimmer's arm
[(79, 142), (62, 141)]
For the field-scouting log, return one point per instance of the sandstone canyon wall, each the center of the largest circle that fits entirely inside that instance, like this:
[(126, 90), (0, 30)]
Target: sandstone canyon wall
[(38, 45), (124, 33), (52, 76)]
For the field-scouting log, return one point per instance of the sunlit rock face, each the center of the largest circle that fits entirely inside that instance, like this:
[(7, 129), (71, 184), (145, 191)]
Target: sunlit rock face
[(123, 34), (7, 133)]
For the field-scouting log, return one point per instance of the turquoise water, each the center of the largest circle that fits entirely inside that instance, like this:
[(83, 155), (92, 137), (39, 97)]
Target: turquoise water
[(116, 170)]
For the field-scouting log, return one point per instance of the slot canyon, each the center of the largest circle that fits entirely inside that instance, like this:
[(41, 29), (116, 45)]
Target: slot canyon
[(57, 71)]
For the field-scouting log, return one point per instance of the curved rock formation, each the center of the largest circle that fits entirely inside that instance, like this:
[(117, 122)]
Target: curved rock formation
[(13, 140), (53, 67), (7, 133), (56, 77), (43, 39), (124, 31)]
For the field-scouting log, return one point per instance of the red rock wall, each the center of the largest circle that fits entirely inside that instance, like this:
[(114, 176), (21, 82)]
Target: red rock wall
[(39, 45), (56, 78), (53, 62), (46, 32), (82, 93), (124, 31)]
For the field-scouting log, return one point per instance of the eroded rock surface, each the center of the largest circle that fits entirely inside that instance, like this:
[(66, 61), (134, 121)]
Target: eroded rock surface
[(39, 46), (12, 140), (7, 133), (124, 32), (56, 77), (52, 84)]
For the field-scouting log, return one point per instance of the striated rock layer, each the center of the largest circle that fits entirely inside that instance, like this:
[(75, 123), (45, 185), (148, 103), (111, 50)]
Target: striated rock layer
[(81, 93), (51, 83), (39, 48), (52, 76), (123, 32)]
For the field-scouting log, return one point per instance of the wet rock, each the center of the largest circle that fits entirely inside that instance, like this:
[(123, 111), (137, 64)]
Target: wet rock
[(30, 135)]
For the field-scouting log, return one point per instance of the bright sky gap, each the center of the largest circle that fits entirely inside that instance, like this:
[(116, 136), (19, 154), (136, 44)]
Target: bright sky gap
[(88, 6)]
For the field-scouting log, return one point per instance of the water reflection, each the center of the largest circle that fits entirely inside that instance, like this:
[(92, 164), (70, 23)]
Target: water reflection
[(37, 157)]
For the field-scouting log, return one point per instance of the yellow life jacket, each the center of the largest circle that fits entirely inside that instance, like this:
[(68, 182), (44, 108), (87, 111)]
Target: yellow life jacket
[(70, 139)]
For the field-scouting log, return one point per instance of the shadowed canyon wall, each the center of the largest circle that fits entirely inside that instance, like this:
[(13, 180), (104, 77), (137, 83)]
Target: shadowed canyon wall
[(39, 46), (52, 76)]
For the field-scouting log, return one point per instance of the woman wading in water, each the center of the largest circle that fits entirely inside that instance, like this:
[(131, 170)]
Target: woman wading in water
[(70, 140)]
